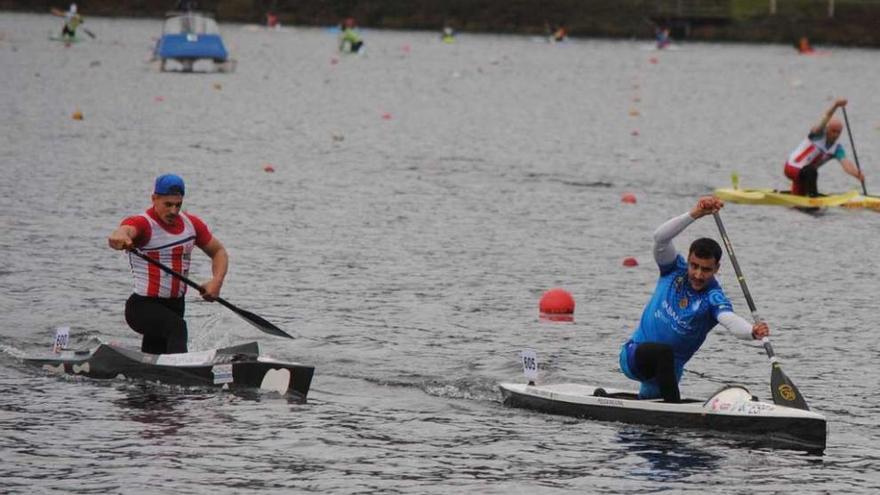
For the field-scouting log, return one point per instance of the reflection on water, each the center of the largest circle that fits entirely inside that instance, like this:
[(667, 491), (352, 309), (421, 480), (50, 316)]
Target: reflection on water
[(668, 458), (157, 411)]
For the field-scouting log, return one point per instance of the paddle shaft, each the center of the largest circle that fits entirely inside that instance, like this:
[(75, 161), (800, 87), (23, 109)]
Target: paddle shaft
[(251, 318), (171, 272), (783, 390), (852, 144), (742, 283)]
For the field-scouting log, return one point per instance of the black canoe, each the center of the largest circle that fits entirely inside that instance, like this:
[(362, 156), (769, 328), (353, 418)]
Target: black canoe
[(240, 366), (732, 410)]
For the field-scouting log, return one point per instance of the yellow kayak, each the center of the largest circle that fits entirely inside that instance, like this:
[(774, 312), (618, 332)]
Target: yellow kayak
[(851, 199)]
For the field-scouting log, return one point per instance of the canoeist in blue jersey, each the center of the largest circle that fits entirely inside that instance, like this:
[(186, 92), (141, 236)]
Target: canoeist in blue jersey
[(168, 235), (687, 303)]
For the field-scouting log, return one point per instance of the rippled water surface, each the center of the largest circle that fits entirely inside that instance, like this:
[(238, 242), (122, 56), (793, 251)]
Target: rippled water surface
[(424, 197)]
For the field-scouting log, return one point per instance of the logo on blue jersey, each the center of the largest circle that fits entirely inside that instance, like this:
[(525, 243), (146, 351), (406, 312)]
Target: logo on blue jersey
[(716, 298)]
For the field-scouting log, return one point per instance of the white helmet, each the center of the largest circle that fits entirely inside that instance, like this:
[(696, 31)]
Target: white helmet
[(73, 8)]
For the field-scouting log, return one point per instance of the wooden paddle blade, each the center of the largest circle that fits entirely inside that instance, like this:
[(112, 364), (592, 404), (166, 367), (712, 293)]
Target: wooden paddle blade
[(784, 392)]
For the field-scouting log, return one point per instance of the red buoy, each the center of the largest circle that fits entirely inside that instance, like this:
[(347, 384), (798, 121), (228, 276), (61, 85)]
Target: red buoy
[(628, 198), (557, 305), (630, 261), (268, 168)]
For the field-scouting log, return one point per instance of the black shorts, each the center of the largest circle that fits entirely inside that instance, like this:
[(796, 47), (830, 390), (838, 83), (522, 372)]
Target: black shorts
[(160, 321)]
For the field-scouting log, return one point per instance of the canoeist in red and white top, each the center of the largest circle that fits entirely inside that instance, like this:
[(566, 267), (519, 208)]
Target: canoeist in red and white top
[(166, 234), (819, 146)]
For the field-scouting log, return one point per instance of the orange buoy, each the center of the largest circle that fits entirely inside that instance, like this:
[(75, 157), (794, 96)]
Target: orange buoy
[(630, 261), (557, 305), (77, 115), (218, 86), (628, 198), (633, 112), (268, 168)]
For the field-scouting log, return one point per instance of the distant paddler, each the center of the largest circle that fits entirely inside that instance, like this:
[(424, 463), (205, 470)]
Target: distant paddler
[(661, 34), (168, 235), (448, 34), (803, 46), (350, 40), (560, 34), (820, 146), (687, 303), (72, 20)]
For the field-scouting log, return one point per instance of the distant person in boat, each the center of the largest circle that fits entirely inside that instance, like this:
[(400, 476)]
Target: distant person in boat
[(687, 303), (72, 20), (560, 34), (272, 20), (820, 146), (804, 46), (350, 40), (661, 34), (165, 233), (448, 35)]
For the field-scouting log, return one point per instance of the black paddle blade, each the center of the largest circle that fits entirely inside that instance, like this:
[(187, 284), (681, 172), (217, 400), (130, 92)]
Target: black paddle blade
[(258, 321), (784, 392), (261, 323)]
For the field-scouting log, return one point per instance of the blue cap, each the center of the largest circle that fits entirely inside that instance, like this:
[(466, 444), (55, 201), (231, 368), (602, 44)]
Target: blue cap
[(169, 184)]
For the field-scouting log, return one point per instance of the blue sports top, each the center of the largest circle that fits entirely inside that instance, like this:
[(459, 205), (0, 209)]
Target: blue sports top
[(678, 315)]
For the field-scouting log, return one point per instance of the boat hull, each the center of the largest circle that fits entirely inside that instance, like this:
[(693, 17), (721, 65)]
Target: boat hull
[(240, 366), (850, 200), (732, 411), (191, 47)]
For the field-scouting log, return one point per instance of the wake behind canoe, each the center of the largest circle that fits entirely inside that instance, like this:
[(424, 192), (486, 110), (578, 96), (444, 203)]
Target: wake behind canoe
[(732, 410), (241, 366)]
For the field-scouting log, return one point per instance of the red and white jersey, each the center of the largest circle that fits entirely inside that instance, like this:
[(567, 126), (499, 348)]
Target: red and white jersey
[(813, 151), (170, 245)]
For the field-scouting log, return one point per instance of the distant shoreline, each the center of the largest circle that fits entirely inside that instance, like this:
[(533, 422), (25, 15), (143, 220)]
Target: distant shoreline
[(852, 24)]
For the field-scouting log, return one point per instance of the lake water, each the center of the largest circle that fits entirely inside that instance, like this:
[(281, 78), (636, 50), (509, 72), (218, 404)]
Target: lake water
[(424, 196)]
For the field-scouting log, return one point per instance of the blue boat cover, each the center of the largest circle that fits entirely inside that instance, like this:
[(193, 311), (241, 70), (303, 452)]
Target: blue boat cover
[(191, 46)]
